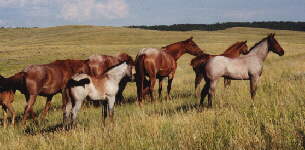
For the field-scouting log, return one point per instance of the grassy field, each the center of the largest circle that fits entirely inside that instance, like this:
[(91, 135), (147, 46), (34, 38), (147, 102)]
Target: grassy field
[(275, 120)]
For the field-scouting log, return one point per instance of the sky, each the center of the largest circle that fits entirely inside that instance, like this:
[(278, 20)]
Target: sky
[(46, 13)]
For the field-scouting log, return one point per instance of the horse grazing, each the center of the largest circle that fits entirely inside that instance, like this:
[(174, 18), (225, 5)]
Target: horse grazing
[(6, 100), (198, 63), (156, 63), (104, 87), (245, 67)]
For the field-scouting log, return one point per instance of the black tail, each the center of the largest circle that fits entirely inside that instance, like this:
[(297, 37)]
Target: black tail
[(140, 75), (82, 82)]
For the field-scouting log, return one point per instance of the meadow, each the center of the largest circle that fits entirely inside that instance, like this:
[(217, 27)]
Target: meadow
[(274, 120)]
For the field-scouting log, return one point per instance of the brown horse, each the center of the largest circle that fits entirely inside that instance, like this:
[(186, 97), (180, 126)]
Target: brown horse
[(159, 64), (98, 64), (199, 62), (47, 80), (245, 67), (6, 99)]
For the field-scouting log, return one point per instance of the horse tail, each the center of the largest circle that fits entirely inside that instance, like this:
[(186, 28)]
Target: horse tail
[(140, 75), (82, 82)]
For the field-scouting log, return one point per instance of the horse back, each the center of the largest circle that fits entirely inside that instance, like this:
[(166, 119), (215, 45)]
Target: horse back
[(99, 64)]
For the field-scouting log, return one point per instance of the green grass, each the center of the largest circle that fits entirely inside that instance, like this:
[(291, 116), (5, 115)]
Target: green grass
[(274, 120)]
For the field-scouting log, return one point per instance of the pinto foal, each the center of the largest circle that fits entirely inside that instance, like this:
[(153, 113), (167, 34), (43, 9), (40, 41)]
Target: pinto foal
[(103, 88)]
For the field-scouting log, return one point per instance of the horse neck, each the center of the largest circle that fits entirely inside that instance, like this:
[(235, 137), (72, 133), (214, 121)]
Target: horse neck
[(176, 51), (14, 82), (233, 52), (117, 73), (260, 51)]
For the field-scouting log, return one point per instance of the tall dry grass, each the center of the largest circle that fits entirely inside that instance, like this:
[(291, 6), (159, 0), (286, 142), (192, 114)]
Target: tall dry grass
[(275, 120)]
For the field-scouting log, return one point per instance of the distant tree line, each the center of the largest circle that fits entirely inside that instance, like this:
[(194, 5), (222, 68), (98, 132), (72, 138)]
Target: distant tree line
[(278, 25)]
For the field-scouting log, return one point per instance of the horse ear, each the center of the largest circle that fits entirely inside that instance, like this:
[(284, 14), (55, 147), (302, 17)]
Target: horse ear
[(245, 42), (273, 34)]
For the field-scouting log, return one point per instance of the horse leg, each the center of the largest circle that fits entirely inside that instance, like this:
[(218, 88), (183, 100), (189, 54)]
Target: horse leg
[(46, 108), (160, 87), (211, 92), (253, 86), (28, 108), (227, 82), (75, 110), (151, 88), (204, 92), (9, 106), (5, 122), (198, 79), (111, 101), (67, 113), (104, 107), (169, 87)]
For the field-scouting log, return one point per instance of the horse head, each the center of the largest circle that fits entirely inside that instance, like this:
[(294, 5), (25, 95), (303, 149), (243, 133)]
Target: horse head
[(191, 47), (243, 47), (274, 46), (123, 57)]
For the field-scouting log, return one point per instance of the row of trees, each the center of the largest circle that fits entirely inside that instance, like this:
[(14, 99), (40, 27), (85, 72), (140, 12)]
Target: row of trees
[(280, 25)]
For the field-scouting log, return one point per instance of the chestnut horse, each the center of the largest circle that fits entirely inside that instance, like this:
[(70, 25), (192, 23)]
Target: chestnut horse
[(159, 64), (47, 80), (6, 99), (199, 62), (245, 67)]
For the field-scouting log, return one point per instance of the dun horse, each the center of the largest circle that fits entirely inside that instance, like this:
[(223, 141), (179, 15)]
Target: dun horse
[(246, 67), (159, 64), (105, 87), (198, 63)]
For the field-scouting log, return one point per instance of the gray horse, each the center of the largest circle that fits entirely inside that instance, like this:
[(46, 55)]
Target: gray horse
[(246, 67)]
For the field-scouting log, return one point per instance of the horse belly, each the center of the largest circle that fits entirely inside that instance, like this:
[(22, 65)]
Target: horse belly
[(238, 72)]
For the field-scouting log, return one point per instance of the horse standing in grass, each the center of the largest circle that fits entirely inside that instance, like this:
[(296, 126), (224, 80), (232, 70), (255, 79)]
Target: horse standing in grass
[(105, 87), (198, 63), (156, 63), (98, 64), (246, 67), (6, 100), (49, 79)]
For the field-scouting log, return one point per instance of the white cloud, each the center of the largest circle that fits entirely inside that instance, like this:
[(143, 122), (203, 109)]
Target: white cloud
[(83, 10), (71, 10), (20, 3)]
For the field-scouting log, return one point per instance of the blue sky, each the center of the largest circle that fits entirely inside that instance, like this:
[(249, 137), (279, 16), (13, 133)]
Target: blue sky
[(45, 13)]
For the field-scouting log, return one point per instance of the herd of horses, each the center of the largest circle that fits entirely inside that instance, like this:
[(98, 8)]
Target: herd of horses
[(104, 78)]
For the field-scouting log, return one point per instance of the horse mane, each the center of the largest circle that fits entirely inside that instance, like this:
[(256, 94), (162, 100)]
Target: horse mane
[(262, 40), (233, 47), (110, 71), (114, 66)]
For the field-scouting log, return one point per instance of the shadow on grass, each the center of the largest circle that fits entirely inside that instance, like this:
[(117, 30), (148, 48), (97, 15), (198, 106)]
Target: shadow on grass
[(31, 130)]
